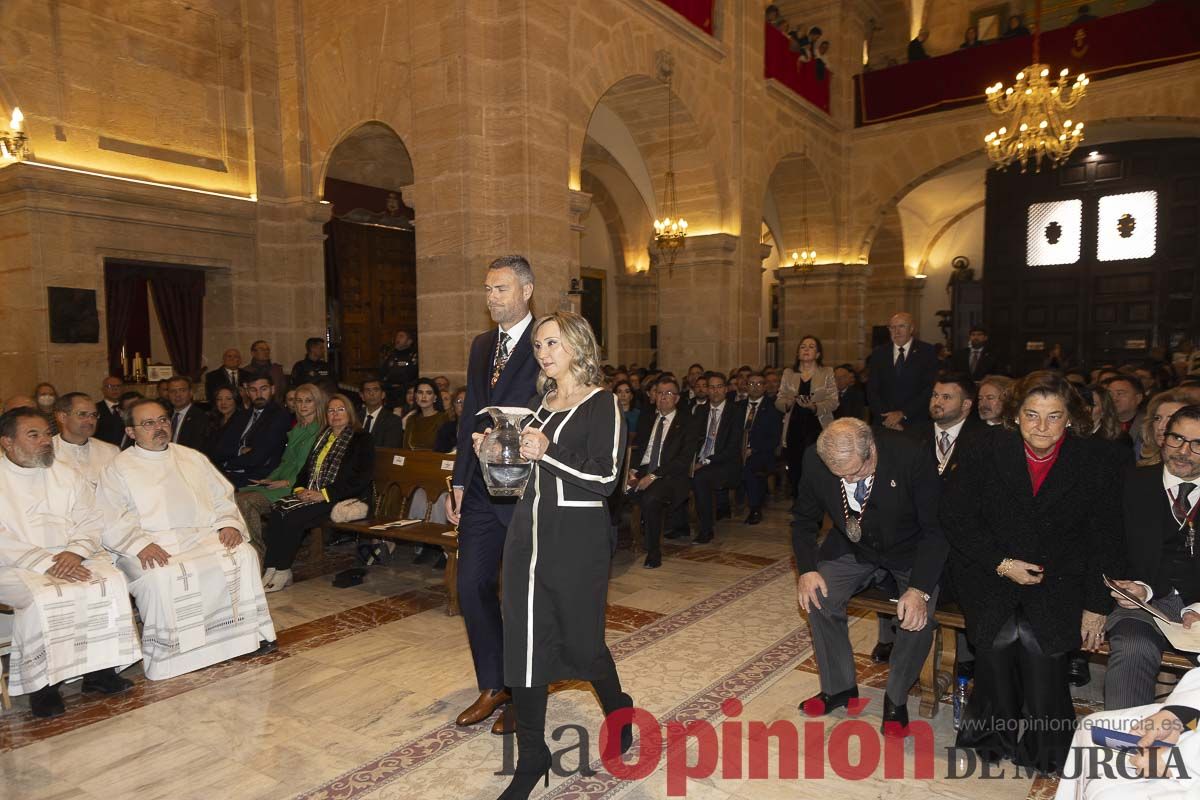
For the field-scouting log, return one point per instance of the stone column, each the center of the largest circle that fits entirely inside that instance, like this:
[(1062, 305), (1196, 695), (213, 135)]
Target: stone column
[(828, 303), (580, 203), (637, 307), (699, 303)]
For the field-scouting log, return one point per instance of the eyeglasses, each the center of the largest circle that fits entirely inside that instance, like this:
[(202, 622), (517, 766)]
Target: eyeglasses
[(86, 414), (1176, 442), (151, 424)]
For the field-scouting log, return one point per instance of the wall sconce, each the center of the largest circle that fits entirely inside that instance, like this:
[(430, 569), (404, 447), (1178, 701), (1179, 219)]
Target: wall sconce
[(804, 260), (14, 144)]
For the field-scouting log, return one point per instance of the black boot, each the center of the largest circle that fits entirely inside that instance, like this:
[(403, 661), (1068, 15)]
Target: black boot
[(104, 681), (613, 699), (533, 757), (47, 702)]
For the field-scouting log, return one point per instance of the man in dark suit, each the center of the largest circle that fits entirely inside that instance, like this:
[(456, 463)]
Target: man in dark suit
[(386, 429), (902, 376), (661, 457), (262, 435), (189, 422), (881, 491), (954, 430), (977, 359), (1160, 506), (852, 401), (501, 372), (228, 375), (762, 428), (109, 425), (719, 452)]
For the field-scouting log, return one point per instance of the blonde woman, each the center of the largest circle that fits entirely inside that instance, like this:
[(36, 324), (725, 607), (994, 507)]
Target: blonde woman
[(255, 500), (1158, 413), (559, 545), (808, 395)]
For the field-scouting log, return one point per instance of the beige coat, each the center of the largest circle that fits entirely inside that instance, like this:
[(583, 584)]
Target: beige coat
[(824, 393)]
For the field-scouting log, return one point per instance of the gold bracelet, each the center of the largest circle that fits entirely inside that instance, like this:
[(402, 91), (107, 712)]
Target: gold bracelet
[(1004, 566)]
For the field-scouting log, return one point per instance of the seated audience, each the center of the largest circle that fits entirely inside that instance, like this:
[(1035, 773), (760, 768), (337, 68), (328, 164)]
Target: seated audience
[(313, 368), (127, 399), (1034, 526), (422, 423), (228, 374), (447, 437), (255, 500), (762, 426), (289, 401), (189, 422), (50, 551), (994, 391), (1158, 413), (881, 492), (624, 392), (718, 459), (261, 364), (1107, 425), (75, 444), (851, 399), (699, 404), (658, 473), (1160, 502), (44, 396), (224, 409), (338, 469), (386, 429), (109, 427), (1127, 395), (260, 433), (171, 521)]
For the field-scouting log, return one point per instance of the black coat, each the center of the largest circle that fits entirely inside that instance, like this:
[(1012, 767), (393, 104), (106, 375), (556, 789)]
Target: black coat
[(265, 442), (765, 435), (971, 437), (852, 403), (1152, 530), (1072, 529), (218, 378), (900, 527), (678, 447), (110, 427), (988, 364), (726, 457), (193, 431), (388, 430), (516, 387), (354, 479), (907, 391)]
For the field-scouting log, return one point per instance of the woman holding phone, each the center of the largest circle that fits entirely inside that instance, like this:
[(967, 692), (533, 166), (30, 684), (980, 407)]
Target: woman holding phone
[(807, 396)]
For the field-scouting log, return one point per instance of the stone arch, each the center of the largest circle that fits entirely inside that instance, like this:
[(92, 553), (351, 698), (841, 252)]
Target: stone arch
[(370, 153), (796, 181)]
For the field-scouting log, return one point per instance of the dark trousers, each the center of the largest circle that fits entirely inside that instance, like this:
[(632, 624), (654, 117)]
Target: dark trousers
[(1136, 646), (285, 532), (665, 496), (480, 546), (754, 480), (1021, 707), (705, 484)]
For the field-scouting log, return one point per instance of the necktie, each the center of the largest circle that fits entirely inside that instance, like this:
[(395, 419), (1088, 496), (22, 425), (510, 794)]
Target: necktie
[(177, 425), (944, 443), (656, 442), (233, 377), (710, 439), (501, 356), (860, 494), (974, 360), (250, 426), (900, 361), (1180, 507), (751, 410), (370, 422)]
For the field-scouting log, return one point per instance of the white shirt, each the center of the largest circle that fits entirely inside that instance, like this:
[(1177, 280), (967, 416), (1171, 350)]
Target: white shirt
[(517, 331), (666, 428), (371, 418), (954, 431), (89, 458), (1171, 484), (896, 351), (852, 487)]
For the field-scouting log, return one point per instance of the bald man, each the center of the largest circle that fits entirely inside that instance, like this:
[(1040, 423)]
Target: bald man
[(901, 377), (228, 374)]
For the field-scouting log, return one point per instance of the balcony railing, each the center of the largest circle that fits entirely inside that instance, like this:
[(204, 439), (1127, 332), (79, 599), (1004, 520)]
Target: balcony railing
[(802, 77)]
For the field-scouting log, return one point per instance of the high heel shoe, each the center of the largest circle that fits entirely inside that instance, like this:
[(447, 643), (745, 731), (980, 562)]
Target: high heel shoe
[(529, 771), (626, 730)]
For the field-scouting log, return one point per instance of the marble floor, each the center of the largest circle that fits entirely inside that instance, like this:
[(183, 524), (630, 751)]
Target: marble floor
[(359, 701)]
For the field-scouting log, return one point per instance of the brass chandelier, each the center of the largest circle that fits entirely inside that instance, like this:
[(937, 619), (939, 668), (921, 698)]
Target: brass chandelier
[(14, 144), (1038, 126), (670, 231)]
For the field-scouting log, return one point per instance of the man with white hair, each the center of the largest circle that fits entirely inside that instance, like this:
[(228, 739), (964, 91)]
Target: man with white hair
[(881, 490), (171, 520), (76, 443), (901, 376), (72, 607)]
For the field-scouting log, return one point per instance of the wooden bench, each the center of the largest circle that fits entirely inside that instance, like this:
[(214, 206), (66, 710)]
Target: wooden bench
[(934, 682), (398, 474), (5, 654)]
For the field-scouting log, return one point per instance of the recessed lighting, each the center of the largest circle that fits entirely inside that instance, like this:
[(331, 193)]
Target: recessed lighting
[(1094, 154)]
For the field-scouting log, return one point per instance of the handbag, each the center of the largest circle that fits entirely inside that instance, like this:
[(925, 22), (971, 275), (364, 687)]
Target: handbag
[(348, 511)]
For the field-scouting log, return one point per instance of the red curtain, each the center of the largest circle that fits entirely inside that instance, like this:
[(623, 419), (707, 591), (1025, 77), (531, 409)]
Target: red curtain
[(127, 314), (780, 63), (179, 298), (697, 12)]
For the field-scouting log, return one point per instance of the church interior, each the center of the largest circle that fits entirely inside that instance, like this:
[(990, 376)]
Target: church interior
[(706, 182)]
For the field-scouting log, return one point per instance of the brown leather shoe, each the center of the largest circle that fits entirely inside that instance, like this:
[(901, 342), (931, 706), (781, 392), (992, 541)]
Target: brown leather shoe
[(484, 707), (506, 722)]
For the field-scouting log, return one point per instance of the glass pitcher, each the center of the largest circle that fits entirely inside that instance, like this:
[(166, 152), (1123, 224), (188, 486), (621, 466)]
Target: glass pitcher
[(505, 470)]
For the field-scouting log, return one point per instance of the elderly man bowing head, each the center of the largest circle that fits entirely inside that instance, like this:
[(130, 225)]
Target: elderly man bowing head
[(171, 519)]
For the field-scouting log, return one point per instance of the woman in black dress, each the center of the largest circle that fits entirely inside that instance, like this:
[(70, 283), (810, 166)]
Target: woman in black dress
[(559, 546), (808, 395), (1034, 522)]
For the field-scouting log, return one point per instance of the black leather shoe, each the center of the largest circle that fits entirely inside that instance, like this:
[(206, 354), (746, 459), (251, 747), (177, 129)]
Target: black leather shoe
[(653, 562), (703, 538), (895, 718), (821, 704), (754, 518), (1079, 672), (531, 770), (104, 681), (265, 647), (47, 702), (882, 653)]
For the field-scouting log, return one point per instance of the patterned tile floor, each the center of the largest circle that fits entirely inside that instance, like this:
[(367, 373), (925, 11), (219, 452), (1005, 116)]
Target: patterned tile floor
[(359, 699)]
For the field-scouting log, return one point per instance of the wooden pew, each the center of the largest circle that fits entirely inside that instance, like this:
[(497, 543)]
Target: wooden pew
[(5, 655), (399, 473)]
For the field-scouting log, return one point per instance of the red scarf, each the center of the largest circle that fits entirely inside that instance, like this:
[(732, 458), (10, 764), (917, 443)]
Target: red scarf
[(1039, 466)]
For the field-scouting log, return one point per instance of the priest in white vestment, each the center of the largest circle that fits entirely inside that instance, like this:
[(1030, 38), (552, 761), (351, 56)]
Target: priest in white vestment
[(75, 443), (171, 520), (71, 606), (1175, 769)]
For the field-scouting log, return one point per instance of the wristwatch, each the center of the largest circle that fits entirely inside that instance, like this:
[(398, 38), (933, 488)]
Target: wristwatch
[(924, 595)]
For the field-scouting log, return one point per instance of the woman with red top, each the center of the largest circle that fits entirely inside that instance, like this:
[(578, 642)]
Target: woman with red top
[(1034, 523)]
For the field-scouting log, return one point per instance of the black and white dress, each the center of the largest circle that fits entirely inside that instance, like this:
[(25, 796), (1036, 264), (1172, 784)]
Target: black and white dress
[(559, 548)]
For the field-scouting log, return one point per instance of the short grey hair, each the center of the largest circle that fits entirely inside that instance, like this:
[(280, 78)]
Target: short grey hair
[(843, 438), (518, 264), (127, 414)]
